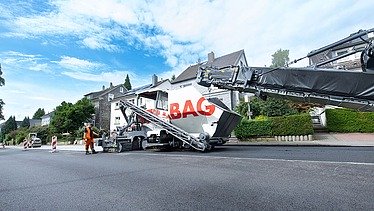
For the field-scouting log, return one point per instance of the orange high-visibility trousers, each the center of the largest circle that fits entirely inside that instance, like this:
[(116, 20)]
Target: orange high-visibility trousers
[(89, 142)]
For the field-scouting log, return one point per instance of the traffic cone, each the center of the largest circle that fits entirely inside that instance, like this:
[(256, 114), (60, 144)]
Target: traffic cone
[(25, 144), (54, 144)]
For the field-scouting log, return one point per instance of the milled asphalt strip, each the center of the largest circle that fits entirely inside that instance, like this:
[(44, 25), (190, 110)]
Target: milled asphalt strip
[(253, 159)]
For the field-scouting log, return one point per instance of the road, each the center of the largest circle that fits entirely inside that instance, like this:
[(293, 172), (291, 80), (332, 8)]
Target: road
[(230, 178)]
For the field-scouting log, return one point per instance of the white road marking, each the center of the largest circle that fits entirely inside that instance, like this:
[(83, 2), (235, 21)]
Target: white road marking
[(253, 159)]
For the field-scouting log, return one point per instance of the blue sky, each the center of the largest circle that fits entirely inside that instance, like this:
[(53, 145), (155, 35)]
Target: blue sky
[(59, 50)]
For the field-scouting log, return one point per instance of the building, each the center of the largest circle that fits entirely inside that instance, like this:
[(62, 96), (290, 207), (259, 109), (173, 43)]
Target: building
[(133, 96), (35, 122), (102, 102), (188, 77), (46, 119), (351, 49)]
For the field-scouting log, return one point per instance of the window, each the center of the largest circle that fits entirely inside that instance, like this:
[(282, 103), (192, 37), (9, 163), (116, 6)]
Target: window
[(116, 106), (110, 97), (121, 89), (117, 120), (339, 53), (185, 85), (162, 100)]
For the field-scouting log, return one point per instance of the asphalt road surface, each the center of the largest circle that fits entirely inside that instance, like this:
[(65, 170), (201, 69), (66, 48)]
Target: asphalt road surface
[(230, 178)]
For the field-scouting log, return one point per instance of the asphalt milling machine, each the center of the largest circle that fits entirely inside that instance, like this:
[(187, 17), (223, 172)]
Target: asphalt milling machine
[(185, 119)]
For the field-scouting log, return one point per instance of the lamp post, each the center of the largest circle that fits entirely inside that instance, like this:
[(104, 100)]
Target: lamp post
[(246, 99)]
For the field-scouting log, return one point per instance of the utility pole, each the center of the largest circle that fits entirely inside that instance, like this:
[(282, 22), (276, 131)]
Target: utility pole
[(246, 99)]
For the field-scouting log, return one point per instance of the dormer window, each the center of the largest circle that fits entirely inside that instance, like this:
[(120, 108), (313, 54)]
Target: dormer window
[(110, 97), (121, 89)]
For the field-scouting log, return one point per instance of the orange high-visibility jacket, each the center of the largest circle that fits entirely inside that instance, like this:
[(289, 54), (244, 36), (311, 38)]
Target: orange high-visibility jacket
[(88, 133)]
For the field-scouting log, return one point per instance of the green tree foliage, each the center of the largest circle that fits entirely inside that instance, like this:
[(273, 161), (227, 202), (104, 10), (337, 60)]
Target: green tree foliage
[(70, 117), (127, 83), (9, 125), (39, 113), (280, 58), (26, 122), (2, 83), (271, 107), (172, 77), (277, 107)]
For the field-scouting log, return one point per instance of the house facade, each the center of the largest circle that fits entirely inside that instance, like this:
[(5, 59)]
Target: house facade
[(46, 119), (102, 103), (133, 96), (188, 77)]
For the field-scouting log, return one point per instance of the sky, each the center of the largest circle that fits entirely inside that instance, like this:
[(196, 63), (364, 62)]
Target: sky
[(58, 50)]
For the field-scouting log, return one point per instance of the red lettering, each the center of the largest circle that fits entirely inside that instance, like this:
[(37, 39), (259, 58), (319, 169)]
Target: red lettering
[(209, 109), (174, 111), (188, 109)]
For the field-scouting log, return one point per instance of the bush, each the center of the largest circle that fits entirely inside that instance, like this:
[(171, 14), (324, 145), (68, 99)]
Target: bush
[(21, 135), (275, 126), (252, 128), (349, 121), (292, 125)]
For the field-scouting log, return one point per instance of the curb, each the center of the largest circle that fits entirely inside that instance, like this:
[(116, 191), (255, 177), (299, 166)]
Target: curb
[(293, 145)]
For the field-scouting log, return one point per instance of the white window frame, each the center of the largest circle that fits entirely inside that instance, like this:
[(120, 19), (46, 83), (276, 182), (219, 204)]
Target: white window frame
[(117, 120), (110, 97)]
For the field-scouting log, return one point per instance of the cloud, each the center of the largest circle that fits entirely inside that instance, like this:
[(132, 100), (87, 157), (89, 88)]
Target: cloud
[(115, 77), (77, 64), (23, 98), (19, 62), (188, 31)]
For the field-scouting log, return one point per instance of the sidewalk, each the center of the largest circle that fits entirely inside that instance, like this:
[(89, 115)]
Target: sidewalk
[(319, 139), (70, 147)]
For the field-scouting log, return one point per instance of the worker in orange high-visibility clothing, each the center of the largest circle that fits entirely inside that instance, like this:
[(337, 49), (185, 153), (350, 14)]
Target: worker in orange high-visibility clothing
[(88, 137)]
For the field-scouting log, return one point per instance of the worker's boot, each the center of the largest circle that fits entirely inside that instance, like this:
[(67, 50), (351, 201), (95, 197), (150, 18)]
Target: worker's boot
[(93, 151), (87, 152)]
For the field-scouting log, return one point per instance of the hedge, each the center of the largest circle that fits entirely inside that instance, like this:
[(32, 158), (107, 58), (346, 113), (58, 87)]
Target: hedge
[(349, 121), (275, 126), (249, 129), (292, 125)]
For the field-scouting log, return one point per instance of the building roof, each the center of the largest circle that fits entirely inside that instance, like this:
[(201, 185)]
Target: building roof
[(35, 122), (226, 60), (354, 42), (50, 114), (141, 89), (103, 92)]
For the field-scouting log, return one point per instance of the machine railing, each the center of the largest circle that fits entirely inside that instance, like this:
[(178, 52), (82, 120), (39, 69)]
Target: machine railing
[(172, 129)]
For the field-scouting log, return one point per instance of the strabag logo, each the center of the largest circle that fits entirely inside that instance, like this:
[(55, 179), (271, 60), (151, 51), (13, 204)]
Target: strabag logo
[(189, 109)]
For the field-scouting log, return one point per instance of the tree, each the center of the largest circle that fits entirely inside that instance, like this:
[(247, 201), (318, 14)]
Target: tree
[(2, 83), (26, 122), (39, 113), (127, 83), (9, 125), (173, 77), (280, 58), (70, 117), (270, 107)]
